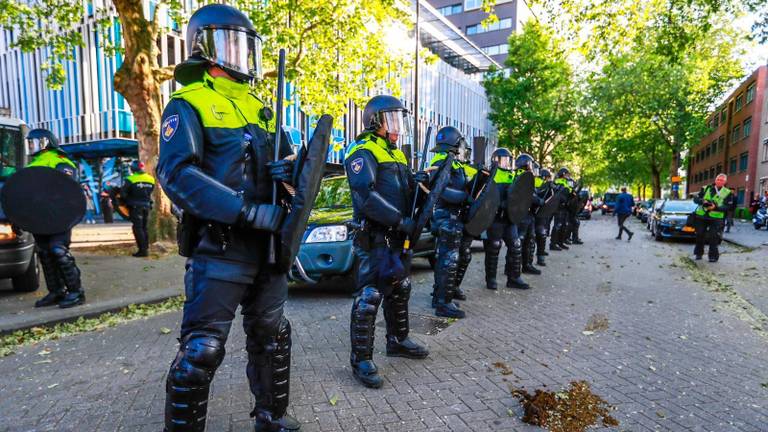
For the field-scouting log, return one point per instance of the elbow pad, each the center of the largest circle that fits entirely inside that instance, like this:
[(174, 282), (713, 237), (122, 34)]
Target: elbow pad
[(453, 196), (380, 210)]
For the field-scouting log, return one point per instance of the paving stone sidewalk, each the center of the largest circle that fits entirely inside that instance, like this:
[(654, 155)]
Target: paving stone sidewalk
[(674, 357)]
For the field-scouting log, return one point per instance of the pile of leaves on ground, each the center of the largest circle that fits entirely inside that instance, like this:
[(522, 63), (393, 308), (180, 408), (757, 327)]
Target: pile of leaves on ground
[(156, 250), (571, 410), (9, 343)]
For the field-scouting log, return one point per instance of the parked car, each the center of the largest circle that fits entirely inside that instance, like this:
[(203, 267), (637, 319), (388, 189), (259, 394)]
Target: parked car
[(586, 212), (326, 249), (670, 219), (609, 203), (652, 211), (644, 209), (18, 261)]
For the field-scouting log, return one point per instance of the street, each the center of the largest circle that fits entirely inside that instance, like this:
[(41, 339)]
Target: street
[(672, 344)]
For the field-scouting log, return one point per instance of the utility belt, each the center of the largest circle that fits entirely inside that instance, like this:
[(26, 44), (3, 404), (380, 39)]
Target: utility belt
[(371, 235), (191, 230)]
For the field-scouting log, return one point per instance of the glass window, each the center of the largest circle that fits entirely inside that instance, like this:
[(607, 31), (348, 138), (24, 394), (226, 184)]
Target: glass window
[(472, 4), (721, 143), (723, 116), (473, 29), (740, 196), (680, 206), (743, 161), (11, 144), (765, 150), (747, 127), (736, 136), (716, 120), (751, 93), (732, 168), (708, 151), (739, 102)]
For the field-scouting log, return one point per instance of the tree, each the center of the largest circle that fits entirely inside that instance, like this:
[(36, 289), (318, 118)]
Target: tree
[(336, 52), (532, 102)]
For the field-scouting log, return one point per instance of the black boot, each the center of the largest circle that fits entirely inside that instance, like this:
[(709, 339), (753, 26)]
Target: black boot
[(396, 319), (361, 333), (459, 294), (141, 253), (553, 246), (563, 246), (577, 241), (71, 276), (53, 281), (517, 283), (444, 305), (540, 261), (514, 258), (406, 347), (265, 423), (528, 253), (530, 269)]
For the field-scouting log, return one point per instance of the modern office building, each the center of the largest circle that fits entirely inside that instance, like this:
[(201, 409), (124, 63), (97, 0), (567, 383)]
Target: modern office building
[(736, 144), (467, 16), (93, 120)]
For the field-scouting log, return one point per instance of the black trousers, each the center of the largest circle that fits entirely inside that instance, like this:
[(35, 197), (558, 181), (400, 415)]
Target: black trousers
[(139, 217), (622, 218), (708, 231), (59, 268)]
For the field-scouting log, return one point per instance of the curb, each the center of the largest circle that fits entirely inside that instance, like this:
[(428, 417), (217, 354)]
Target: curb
[(72, 314)]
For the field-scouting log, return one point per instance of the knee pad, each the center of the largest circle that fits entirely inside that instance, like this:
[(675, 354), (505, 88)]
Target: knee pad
[(368, 301), (197, 360), (59, 252)]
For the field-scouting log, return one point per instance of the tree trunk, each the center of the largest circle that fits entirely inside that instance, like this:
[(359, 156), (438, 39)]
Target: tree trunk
[(674, 170), (138, 80), (656, 182)]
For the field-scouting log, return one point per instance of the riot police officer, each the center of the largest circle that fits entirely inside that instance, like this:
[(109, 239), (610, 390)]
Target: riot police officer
[(215, 152), (503, 231), (572, 235), (544, 192), (137, 195), (524, 162), (382, 188), (453, 245), (62, 277), (560, 226)]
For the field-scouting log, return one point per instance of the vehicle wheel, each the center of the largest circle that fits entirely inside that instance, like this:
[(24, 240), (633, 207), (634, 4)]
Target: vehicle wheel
[(657, 236), (432, 261), (30, 280)]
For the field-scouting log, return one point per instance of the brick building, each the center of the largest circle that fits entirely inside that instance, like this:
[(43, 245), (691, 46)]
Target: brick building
[(734, 146), (467, 16)]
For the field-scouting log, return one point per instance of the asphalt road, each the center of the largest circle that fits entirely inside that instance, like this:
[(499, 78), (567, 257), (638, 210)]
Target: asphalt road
[(670, 345)]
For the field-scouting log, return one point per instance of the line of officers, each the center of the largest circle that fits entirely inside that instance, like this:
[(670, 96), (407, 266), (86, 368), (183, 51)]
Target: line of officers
[(382, 187), (214, 164)]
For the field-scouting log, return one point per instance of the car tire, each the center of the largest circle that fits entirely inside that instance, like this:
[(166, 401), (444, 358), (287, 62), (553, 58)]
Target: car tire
[(757, 227), (30, 280), (657, 236)]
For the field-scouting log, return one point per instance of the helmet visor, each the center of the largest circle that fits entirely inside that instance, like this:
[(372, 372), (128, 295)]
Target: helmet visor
[(504, 162), (34, 145), (464, 151), (236, 50), (397, 123)]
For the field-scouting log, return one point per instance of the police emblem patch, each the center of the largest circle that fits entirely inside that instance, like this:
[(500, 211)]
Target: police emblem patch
[(357, 165), (168, 129)]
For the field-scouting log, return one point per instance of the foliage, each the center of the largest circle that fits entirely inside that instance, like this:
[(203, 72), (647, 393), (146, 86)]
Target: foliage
[(10, 342), (533, 101)]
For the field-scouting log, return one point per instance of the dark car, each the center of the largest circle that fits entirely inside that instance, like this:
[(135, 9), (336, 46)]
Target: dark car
[(326, 250), (18, 261), (644, 209), (609, 203), (669, 221)]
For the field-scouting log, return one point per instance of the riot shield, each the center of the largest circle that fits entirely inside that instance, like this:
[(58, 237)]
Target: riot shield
[(43, 201), (520, 197), (440, 182), (306, 187), (484, 206), (550, 206)]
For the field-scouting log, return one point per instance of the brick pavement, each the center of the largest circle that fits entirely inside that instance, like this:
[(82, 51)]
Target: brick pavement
[(671, 359)]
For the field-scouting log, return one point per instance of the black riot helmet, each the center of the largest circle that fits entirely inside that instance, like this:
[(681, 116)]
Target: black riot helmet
[(451, 140), (545, 174), (41, 139), (563, 173), (502, 157), (219, 34), (387, 112), (524, 161), (535, 168)]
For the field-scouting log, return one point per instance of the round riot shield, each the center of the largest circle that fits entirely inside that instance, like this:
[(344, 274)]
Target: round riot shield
[(43, 200)]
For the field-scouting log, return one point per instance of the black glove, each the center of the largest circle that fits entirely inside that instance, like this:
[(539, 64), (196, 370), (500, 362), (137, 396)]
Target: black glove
[(281, 170), (406, 225), (421, 177), (266, 217)]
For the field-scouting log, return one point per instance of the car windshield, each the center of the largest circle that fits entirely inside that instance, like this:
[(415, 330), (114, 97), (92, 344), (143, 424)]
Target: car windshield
[(679, 206), (610, 197), (10, 144), (334, 193)]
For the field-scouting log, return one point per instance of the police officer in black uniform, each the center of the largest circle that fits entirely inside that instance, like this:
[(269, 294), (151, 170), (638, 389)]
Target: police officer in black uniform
[(525, 229), (453, 245), (382, 189), (503, 231), (573, 220), (215, 164), (541, 223), (560, 222), (137, 195), (62, 277)]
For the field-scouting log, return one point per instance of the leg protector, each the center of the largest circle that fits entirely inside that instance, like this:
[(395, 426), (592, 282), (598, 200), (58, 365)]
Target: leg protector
[(515, 259), (361, 334), (188, 382), (448, 244), (67, 267), (396, 310), (465, 257), (53, 280), (492, 249), (269, 371)]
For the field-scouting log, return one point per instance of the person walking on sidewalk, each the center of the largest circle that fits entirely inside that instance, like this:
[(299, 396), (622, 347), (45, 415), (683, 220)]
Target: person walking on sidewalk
[(624, 203), (714, 201), (137, 193)]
